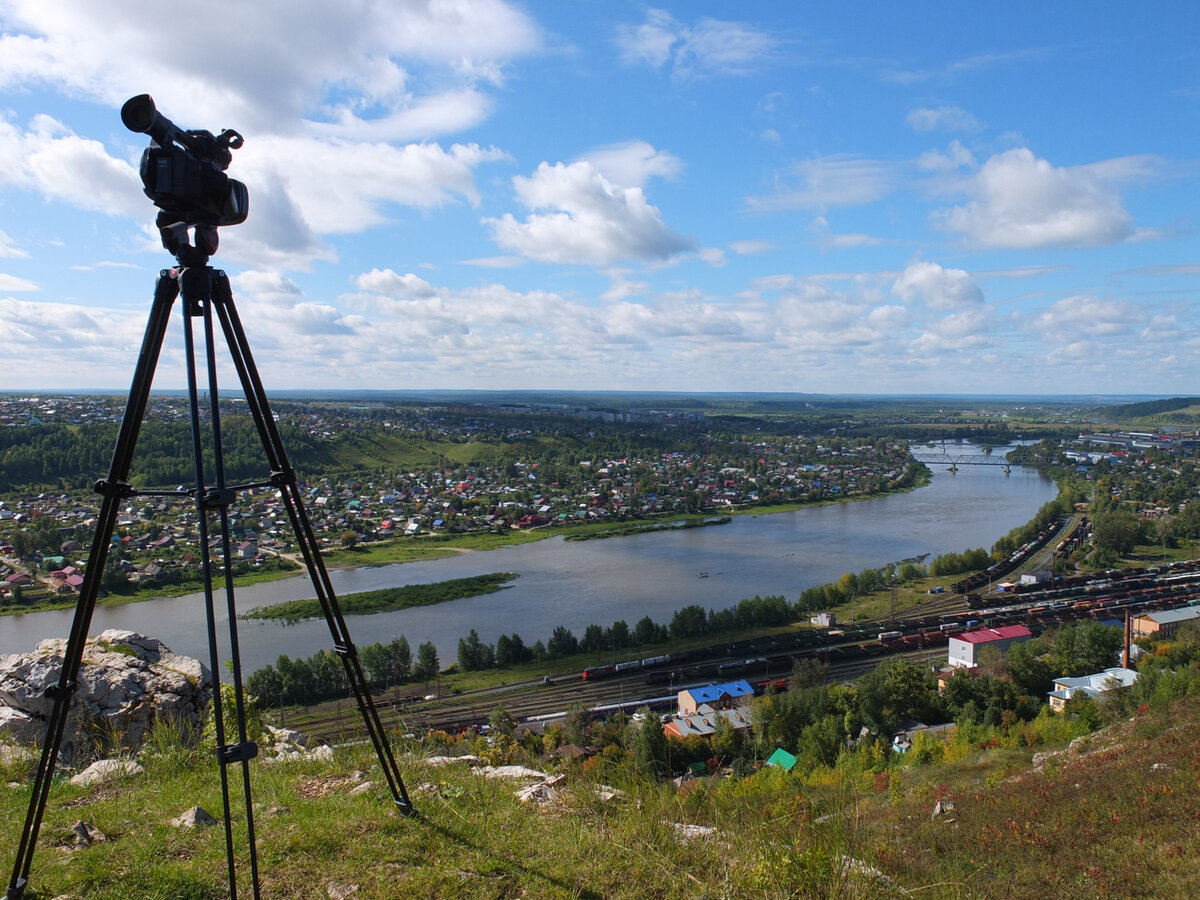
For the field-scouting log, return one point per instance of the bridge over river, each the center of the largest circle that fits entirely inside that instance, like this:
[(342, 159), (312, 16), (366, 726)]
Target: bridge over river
[(953, 458)]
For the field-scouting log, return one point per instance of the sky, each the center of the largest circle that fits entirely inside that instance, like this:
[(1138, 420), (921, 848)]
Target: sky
[(845, 198)]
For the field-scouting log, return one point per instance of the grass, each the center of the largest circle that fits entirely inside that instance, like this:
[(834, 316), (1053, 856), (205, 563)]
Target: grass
[(1119, 821)]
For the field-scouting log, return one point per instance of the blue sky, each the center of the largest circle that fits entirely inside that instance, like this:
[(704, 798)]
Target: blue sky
[(830, 198)]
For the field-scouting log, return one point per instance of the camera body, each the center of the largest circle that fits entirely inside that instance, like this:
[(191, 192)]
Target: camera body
[(184, 171), (194, 189)]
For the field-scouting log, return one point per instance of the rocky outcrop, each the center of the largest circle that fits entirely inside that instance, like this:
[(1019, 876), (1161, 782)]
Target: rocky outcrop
[(127, 683)]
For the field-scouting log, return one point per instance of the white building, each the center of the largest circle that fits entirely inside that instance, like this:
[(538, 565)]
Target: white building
[(964, 649), (1111, 679)]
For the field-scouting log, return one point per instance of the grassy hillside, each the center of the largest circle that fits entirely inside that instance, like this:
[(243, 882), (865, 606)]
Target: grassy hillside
[(1173, 411), (1113, 817)]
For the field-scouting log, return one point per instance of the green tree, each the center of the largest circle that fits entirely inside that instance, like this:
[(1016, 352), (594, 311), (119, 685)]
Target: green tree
[(1116, 531), (502, 723), (1028, 670), (399, 656), (726, 740), (427, 662), (562, 643), (651, 752)]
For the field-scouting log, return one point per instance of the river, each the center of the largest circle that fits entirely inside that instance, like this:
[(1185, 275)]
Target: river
[(577, 583)]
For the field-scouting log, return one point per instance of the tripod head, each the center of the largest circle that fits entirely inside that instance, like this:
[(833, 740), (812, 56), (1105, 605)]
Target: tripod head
[(183, 172)]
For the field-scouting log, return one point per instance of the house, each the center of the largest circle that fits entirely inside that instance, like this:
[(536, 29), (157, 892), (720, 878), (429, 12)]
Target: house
[(1163, 624), (718, 696), (247, 550), (705, 721), (964, 649), (1110, 679)]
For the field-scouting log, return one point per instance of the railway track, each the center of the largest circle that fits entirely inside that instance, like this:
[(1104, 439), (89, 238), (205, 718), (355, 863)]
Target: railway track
[(920, 634)]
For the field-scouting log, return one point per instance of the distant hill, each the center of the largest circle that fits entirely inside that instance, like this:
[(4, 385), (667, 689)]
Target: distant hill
[(1174, 410)]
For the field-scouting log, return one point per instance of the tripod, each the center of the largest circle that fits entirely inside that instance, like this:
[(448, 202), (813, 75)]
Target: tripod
[(205, 292)]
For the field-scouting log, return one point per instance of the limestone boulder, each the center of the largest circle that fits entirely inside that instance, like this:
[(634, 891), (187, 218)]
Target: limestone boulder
[(127, 683)]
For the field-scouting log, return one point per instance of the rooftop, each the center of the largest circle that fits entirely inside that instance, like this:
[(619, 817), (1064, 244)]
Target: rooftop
[(1003, 633)]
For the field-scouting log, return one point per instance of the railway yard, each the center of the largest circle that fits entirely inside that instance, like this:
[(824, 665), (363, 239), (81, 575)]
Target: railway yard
[(920, 635)]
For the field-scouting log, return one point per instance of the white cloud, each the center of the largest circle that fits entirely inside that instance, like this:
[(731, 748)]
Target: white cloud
[(100, 344), (710, 47), (52, 160), (590, 221), (273, 62), (1024, 202), (942, 118), (13, 283), (631, 164), (827, 182), (827, 239), (495, 262), (938, 288), (955, 158), (9, 250), (621, 287), (324, 94), (1088, 315), (750, 248), (390, 284)]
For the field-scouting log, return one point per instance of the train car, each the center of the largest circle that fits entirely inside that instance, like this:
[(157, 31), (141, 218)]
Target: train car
[(591, 673), (890, 635)]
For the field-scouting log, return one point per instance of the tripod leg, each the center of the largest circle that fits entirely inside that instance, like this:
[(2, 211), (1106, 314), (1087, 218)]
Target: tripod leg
[(114, 490), (285, 479), (196, 289)]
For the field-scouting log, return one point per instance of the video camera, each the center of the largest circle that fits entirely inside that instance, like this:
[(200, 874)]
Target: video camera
[(184, 171)]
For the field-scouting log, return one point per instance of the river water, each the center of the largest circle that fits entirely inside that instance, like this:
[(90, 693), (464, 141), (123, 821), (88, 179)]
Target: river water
[(600, 581)]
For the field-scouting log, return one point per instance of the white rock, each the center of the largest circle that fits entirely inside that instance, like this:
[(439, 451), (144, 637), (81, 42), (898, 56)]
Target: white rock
[(126, 682), (106, 769), (196, 817), (450, 760), (512, 772), (692, 832), (537, 793)]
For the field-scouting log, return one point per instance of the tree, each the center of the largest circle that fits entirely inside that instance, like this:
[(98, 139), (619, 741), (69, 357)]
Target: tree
[(502, 723), (474, 654), (1117, 531), (646, 631), (651, 751), (1028, 670), (1083, 648), (807, 672), (427, 662), (562, 643), (593, 639), (373, 659), (726, 740), (822, 741), (575, 724), (618, 635), (399, 659)]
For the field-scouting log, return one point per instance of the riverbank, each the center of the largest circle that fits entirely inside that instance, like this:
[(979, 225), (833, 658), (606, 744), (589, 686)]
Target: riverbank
[(578, 583)]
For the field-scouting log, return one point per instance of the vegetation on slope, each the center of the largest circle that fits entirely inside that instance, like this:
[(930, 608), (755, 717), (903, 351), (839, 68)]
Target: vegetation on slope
[(1112, 816)]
